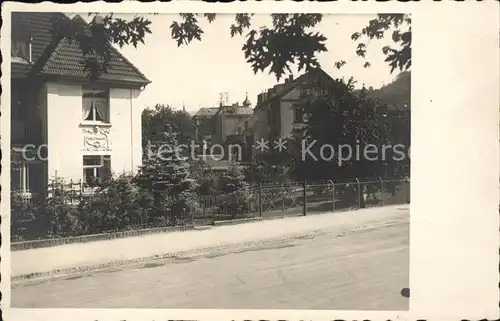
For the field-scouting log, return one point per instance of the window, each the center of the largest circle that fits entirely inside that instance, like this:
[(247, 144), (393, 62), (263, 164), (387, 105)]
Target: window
[(298, 114), (25, 177), (95, 106), (96, 168), (19, 49), (305, 92), (20, 178)]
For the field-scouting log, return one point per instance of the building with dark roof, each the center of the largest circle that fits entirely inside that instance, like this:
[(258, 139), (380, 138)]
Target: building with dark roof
[(277, 111), (63, 124)]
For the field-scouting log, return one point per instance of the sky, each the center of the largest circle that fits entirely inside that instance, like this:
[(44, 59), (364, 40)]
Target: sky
[(194, 76)]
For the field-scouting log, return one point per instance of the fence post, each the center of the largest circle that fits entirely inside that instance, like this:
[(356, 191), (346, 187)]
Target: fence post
[(407, 185), (305, 198), (260, 199), (360, 193), (333, 194), (382, 189), (283, 199)]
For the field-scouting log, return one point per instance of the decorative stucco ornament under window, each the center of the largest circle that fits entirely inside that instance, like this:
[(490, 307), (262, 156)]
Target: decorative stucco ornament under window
[(96, 139)]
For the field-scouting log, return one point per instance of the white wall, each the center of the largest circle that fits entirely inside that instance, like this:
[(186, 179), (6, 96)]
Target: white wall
[(125, 118), (65, 131), (287, 111), (64, 138)]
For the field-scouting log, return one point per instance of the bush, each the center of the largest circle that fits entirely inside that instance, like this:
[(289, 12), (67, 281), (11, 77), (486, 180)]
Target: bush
[(206, 180), (43, 218), (236, 198), (23, 218), (265, 173), (168, 179), (117, 204)]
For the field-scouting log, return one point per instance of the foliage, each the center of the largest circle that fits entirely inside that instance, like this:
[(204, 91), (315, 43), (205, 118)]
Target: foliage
[(261, 172), (116, 204), (58, 210), (397, 92), (23, 216), (337, 116), (399, 55), (160, 119), (288, 41), (206, 179), (55, 216), (235, 192), (166, 175)]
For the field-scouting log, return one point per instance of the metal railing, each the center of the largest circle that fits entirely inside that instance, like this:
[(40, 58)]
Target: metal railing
[(301, 198), (32, 221)]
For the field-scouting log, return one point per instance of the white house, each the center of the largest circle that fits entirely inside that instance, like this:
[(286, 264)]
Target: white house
[(64, 125)]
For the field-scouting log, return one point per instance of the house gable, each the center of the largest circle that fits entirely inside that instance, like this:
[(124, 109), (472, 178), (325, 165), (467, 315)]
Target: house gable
[(54, 56), (309, 77)]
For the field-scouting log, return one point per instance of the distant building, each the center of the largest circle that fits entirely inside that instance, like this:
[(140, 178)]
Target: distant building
[(84, 129), (277, 111), (227, 124), (205, 123), (230, 120)]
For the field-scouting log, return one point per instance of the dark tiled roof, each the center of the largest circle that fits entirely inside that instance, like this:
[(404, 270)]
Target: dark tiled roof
[(207, 111), (37, 25), (285, 88), (19, 69), (235, 110), (56, 56)]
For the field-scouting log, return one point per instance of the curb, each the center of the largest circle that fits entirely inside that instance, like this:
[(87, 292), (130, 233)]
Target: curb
[(130, 262), (187, 254), (36, 244)]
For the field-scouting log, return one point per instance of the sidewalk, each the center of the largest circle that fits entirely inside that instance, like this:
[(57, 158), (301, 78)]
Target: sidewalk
[(74, 256)]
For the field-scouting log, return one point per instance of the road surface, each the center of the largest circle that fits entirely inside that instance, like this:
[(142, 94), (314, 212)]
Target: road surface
[(362, 269)]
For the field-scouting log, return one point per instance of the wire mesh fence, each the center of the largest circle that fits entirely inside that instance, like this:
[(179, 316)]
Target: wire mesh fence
[(301, 198), (70, 210)]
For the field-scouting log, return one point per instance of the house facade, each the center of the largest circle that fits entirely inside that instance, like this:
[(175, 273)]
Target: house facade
[(63, 124), (227, 125), (277, 112), (230, 120), (205, 123)]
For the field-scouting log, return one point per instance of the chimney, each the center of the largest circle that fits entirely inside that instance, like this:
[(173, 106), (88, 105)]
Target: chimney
[(99, 20), (290, 78), (30, 50)]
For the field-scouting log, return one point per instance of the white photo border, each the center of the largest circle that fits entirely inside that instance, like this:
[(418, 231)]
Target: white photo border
[(455, 161)]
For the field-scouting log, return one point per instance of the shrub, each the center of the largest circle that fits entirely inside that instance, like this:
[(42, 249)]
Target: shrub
[(116, 204), (236, 198), (167, 178)]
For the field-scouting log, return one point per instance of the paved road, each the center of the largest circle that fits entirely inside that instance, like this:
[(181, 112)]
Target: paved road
[(363, 269)]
